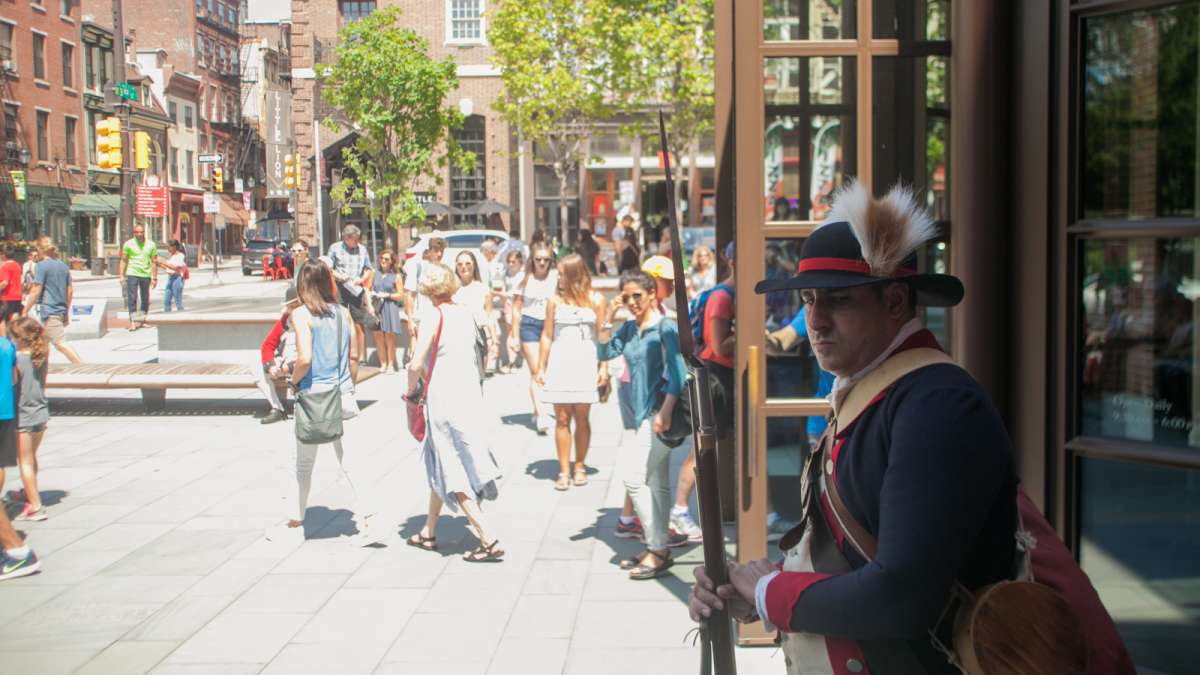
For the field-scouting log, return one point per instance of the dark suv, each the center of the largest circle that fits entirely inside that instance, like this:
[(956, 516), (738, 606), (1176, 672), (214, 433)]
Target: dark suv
[(252, 254)]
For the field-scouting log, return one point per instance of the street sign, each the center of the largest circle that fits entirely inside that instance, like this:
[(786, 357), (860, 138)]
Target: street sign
[(151, 180), (246, 200), (219, 222), (18, 179), (212, 203), (214, 158), (239, 186), (126, 91), (151, 201)]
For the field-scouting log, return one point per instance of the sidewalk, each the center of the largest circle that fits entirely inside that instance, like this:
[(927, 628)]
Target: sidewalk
[(232, 263), (153, 557)]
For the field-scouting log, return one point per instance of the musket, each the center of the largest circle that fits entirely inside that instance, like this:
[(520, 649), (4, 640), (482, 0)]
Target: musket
[(716, 632)]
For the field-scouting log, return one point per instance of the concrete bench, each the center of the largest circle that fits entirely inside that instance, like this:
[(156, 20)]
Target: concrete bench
[(205, 338), (154, 379)]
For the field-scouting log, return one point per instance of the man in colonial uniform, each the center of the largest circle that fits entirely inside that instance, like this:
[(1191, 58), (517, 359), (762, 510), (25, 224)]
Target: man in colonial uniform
[(923, 467)]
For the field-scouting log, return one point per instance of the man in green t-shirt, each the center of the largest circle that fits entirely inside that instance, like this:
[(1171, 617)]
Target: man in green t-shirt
[(138, 273)]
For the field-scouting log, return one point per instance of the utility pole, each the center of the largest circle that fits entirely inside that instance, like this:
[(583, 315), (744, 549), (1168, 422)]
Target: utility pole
[(125, 224)]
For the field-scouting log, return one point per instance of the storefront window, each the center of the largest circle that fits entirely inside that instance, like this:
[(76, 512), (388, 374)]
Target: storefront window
[(785, 20), (1139, 543), (789, 442), (808, 146), (1139, 87), (1139, 310)]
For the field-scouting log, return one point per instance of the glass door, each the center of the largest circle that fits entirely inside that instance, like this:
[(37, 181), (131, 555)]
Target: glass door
[(825, 91)]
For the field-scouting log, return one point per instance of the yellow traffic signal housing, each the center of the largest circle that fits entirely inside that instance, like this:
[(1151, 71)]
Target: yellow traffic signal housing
[(141, 150), (218, 179), (108, 143), (289, 171)]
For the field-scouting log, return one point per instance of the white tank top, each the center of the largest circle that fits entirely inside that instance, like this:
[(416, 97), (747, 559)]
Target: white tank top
[(537, 294)]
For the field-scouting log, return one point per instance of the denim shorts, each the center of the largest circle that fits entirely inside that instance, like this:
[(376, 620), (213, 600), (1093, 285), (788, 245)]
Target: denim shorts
[(531, 329), (33, 429)]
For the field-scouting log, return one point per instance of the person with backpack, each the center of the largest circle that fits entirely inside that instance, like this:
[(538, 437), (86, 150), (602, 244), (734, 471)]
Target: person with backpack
[(912, 502)]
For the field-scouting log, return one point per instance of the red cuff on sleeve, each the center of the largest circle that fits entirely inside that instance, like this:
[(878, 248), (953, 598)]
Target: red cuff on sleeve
[(784, 591)]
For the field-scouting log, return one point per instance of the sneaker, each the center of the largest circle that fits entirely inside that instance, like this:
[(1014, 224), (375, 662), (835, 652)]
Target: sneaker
[(676, 539), (631, 531), (274, 416), (779, 527), (682, 523), (30, 513), (11, 568)]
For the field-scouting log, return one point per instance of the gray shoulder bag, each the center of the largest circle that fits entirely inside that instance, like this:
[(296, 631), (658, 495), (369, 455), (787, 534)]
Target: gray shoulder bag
[(319, 414)]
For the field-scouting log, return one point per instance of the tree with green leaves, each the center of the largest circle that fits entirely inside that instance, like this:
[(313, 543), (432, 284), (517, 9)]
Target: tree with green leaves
[(393, 95), (553, 68), (660, 57)]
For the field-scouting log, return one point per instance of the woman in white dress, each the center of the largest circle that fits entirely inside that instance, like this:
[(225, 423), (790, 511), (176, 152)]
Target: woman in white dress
[(540, 284), (569, 372), (514, 277), (458, 461), (476, 296)]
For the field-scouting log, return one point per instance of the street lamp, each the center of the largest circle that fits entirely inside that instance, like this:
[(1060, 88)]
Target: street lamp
[(24, 158)]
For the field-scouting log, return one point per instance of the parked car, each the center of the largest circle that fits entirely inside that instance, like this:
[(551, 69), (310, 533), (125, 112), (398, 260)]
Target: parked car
[(252, 255), (457, 241)]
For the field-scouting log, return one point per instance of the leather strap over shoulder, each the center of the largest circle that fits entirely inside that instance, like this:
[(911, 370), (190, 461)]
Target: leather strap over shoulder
[(894, 368)]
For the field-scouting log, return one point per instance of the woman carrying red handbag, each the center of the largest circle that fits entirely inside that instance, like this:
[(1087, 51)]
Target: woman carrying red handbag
[(443, 375)]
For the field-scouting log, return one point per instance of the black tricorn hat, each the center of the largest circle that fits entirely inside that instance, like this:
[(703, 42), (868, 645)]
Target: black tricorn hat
[(869, 241)]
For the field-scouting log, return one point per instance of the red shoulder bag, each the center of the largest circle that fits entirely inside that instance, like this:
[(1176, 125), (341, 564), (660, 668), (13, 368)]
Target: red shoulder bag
[(417, 424)]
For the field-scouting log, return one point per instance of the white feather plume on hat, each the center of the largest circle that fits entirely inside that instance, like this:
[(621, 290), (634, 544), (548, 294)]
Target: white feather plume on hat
[(888, 229)]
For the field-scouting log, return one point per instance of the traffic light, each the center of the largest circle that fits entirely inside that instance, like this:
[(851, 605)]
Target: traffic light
[(108, 143), (289, 172), (141, 150), (218, 179)]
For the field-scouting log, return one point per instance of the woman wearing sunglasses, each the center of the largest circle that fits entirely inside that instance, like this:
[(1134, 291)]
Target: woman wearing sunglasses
[(650, 346), (540, 284), (387, 289)]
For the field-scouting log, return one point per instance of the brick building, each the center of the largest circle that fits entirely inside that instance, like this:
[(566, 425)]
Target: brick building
[(198, 37), (42, 134), (180, 93), (95, 228), (457, 28), (266, 122)]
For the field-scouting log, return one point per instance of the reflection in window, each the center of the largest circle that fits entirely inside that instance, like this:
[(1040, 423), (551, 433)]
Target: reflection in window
[(792, 370), (1140, 112), (911, 122), (911, 20), (1140, 544), (785, 20), (789, 442), (808, 147), (1139, 314)]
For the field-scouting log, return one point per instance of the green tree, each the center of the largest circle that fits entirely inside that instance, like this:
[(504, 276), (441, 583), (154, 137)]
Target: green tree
[(660, 56), (553, 69), (393, 96)]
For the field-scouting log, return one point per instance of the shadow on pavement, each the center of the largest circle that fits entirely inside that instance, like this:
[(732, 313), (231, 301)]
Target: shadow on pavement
[(677, 579), (520, 419), (453, 535), (324, 523), (547, 469), (252, 408)]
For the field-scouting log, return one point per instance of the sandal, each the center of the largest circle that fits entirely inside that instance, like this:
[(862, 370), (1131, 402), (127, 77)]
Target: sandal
[(562, 483), (489, 553), (420, 541), (581, 477), (642, 571)]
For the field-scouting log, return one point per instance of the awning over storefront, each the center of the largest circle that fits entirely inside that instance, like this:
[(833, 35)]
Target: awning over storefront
[(190, 198), (232, 211), (95, 205)]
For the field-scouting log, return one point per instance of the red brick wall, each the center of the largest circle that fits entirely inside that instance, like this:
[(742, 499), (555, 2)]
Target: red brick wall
[(319, 20), (49, 94)]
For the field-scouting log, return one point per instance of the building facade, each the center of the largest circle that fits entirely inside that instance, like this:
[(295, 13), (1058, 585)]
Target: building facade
[(199, 37), (456, 28), (267, 125), (43, 134), (180, 93)]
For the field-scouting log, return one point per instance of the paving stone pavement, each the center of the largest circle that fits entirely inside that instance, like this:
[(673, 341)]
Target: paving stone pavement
[(154, 559)]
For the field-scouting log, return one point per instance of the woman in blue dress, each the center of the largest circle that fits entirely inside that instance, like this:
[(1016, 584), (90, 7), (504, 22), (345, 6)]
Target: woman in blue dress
[(388, 289)]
